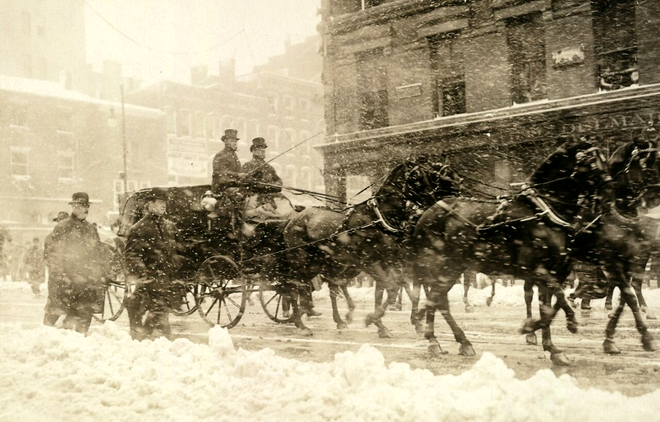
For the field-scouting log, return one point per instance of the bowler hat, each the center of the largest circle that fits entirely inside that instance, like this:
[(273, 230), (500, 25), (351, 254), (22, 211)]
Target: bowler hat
[(81, 198), (62, 215), (258, 143), (156, 193), (230, 134)]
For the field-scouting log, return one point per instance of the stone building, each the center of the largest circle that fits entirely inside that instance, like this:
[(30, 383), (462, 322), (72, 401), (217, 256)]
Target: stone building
[(54, 142), (494, 84)]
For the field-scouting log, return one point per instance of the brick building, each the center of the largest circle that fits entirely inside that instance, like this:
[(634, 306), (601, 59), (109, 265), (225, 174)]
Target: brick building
[(54, 142), (495, 84), (283, 109)]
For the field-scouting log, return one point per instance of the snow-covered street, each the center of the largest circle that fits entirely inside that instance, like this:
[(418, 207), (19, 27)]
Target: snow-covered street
[(262, 371)]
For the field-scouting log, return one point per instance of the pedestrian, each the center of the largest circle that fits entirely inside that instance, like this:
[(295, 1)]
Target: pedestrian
[(151, 261), (4, 262), (54, 309), (33, 266), (75, 263)]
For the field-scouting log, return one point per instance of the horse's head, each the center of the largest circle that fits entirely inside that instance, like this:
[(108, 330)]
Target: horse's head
[(635, 170), (575, 174), (428, 179)]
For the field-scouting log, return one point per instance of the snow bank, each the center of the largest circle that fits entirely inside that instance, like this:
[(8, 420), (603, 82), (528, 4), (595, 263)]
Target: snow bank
[(58, 375), (18, 286)]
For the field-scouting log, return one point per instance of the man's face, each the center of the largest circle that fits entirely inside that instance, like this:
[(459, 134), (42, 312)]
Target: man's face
[(259, 153), (80, 211), (157, 206), (231, 144)]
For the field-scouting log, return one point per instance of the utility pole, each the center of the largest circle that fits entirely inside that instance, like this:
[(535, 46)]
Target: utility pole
[(124, 142)]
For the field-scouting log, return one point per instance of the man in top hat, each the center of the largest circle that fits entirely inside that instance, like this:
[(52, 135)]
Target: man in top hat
[(226, 167), (74, 267), (261, 177), (150, 256)]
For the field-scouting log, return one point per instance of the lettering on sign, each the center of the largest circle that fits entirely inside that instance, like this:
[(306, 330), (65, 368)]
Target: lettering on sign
[(186, 146), (610, 122), (409, 91), (187, 166)]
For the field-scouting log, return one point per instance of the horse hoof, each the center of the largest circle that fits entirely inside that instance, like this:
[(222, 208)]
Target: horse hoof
[(529, 326), (648, 343), (384, 333), (608, 306), (610, 347), (436, 350), (466, 350), (489, 301), (369, 319), (531, 339), (342, 326), (306, 332), (559, 359), (285, 314), (650, 314), (572, 325), (349, 317), (469, 309), (419, 328)]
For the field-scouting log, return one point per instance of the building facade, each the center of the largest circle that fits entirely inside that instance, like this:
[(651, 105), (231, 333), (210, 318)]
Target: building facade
[(493, 84), (287, 111), (54, 142)]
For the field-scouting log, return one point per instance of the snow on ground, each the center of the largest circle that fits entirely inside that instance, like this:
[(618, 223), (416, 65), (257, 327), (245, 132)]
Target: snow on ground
[(57, 375)]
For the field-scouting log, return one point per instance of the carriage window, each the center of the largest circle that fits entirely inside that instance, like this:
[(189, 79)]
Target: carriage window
[(616, 43), (525, 38)]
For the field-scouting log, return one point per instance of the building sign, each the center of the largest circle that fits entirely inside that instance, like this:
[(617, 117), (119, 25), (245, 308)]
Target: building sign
[(568, 56), (185, 146), (409, 91), (611, 122), (187, 166)]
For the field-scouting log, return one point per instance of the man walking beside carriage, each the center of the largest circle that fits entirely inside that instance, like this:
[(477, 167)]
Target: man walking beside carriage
[(151, 260)]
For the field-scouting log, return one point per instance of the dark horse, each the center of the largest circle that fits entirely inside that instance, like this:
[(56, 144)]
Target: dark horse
[(369, 236), (527, 237)]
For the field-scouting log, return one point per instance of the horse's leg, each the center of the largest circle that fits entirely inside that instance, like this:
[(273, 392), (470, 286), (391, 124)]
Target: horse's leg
[(489, 300), (467, 278), (349, 301), (378, 295), (334, 292), (628, 298), (398, 305), (529, 296), (377, 271), (297, 314), (608, 298), (637, 286), (415, 314), (442, 302), (557, 356)]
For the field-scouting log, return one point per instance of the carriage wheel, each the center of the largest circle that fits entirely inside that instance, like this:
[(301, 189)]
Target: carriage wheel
[(115, 292), (189, 302), (222, 292), (275, 303)]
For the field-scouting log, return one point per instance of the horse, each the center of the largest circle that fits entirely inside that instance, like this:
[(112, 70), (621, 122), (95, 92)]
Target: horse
[(526, 236), (369, 236)]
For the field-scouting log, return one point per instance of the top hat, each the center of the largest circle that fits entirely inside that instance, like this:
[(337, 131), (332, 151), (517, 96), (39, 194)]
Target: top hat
[(81, 198), (230, 134), (62, 215), (156, 193), (258, 143)]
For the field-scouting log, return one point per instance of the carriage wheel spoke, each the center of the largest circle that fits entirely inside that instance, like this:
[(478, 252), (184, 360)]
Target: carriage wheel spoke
[(279, 301), (232, 301), (215, 300), (271, 299), (229, 318), (112, 311)]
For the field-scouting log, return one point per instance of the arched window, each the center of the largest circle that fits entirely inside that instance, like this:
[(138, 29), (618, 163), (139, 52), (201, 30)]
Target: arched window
[(273, 139), (306, 148), (290, 175), (306, 178), (288, 102), (289, 141), (212, 129), (255, 129)]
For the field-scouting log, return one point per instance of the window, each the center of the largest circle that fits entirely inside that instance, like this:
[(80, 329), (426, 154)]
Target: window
[(616, 43), (273, 138), (27, 65), (19, 115), (41, 26), (449, 74), (19, 163), (170, 120), (65, 166), (241, 126), (526, 41), (211, 126), (227, 123), (255, 129), (290, 176), (27, 23), (306, 137), (184, 123), (290, 141), (306, 176), (288, 102), (304, 104), (42, 68), (199, 125), (372, 86)]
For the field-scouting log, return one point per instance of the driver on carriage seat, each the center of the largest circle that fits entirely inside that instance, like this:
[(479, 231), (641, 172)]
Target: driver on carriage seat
[(263, 185)]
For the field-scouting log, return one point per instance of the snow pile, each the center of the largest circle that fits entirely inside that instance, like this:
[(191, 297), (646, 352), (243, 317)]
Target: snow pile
[(57, 375), (18, 286)]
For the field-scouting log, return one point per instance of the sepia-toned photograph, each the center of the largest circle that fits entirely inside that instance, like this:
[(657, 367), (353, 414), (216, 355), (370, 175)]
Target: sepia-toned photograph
[(329, 210)]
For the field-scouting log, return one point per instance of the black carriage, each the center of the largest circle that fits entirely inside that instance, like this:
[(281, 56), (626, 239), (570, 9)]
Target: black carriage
[(225, 256)]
